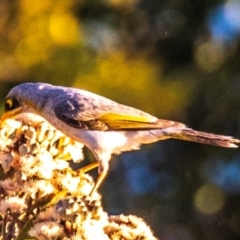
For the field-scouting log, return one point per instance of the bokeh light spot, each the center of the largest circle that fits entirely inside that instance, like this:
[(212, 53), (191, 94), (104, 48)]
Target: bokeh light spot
[(37, 8), (224, 173), (142, 180), (224, 21), (209, 199), (64, 28), (210, 55)]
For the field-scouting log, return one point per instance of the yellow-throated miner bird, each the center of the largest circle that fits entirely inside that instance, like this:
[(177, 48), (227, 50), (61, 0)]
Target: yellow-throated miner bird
[(104, 126)]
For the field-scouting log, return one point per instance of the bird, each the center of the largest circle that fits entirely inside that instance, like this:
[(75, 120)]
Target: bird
[(102, 125)]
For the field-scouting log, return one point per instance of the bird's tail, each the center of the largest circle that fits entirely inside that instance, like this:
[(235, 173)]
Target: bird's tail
[(189, 134)]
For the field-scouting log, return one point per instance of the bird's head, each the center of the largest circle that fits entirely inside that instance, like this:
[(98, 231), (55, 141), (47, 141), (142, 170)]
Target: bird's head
[(24, 98)]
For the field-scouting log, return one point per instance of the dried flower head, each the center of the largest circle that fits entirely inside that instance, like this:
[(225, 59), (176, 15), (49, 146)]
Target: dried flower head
[(39, 188), (46, 230)]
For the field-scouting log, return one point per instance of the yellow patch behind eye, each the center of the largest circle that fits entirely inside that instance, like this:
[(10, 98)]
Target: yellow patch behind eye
[(9, 102)]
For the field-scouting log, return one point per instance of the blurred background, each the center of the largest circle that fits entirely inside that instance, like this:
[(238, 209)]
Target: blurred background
[(176, 59)]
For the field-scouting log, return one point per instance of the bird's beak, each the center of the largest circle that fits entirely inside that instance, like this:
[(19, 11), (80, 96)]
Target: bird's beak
[(11, 114)]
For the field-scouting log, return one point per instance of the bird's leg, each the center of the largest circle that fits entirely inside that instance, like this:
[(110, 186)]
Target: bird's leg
[(89, 167), (101, 176), (103, 167), (98, 182)]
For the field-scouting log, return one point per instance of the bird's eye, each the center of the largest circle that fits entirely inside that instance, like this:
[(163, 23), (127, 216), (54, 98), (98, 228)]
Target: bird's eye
[(11, 103)]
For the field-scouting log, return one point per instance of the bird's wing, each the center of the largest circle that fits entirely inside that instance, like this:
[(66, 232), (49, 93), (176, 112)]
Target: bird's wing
[(97, 113)]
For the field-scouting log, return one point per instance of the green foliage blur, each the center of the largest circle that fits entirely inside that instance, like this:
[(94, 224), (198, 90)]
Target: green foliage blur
[(177, 60)]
